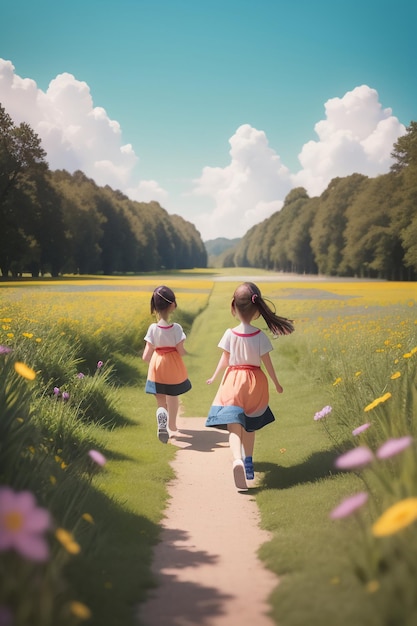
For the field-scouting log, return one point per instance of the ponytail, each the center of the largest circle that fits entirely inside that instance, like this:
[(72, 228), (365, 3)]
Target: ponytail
[(247, 299)]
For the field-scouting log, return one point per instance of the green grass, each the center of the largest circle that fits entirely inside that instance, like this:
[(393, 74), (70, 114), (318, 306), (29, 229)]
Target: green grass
[(316, 559)]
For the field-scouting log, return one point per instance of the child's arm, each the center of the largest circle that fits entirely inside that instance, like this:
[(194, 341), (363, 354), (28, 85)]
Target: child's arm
[(180, 348), (266, 360), (148, 351), (221, 365)]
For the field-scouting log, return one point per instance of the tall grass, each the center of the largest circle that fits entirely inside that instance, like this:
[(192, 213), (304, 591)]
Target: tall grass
[(80, 390)]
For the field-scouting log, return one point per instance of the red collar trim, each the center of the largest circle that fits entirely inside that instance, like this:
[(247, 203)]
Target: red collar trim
[(247, 334), (165, 327)]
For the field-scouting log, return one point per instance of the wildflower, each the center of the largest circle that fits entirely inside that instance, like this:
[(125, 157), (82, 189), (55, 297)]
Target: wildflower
[(283, 450), (349, 505), (5, 349), (357, 457), (80, 375), (407, 355), (24, 370), (67, 540), (337, 381), (97, 457), (395, 375), (324, 411), (372, 586), (397, 517), (57, 391), (80, 610), (88, 518), (65, 395), (358, 373), (393, 446), (377, 401), (6, 616), (28, 335), (100, 364), (23, 524), (361, 429)]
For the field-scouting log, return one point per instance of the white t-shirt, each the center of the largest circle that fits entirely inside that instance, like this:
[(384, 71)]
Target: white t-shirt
[(162, 335), (245, 348)]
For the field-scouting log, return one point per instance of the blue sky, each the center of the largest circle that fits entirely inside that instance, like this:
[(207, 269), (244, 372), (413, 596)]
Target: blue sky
[(180, 78)]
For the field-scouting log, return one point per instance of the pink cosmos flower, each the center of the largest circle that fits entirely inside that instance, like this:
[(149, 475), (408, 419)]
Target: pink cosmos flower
[(23, 524), (97, 457), (349, 505), (357, 457), (325, 411), (361, 429), (393, 446), (56, 391), (5, 349), (80, 375), (65, 395), (100, 364)]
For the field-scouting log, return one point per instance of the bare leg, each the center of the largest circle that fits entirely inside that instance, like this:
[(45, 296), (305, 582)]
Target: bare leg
[(161, 400), (235, 440), (172, 405), (248, 442)]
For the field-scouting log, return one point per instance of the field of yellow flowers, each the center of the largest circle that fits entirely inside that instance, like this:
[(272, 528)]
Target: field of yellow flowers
[(339, 488)]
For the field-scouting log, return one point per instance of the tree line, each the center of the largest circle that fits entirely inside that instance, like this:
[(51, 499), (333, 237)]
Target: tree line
[(359, 226), (56, 222)]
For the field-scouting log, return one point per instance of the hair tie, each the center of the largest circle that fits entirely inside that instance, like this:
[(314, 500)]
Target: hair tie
[(254, 296)]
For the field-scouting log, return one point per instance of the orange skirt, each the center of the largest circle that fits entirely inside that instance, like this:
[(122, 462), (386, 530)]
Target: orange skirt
[(167, 373), (242, 398)]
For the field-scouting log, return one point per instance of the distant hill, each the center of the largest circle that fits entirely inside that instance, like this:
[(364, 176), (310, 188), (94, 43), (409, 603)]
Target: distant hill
[(218, 249), (218, 246)]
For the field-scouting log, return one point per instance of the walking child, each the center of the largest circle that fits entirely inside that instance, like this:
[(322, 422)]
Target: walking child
[(241, 404), (167, 374)]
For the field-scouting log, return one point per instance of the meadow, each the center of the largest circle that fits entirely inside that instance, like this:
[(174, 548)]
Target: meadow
[(78, 451)]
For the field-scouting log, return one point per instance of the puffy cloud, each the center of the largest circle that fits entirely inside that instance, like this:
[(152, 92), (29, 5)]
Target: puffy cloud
[(356, 136), (247, 190), (75, 134)]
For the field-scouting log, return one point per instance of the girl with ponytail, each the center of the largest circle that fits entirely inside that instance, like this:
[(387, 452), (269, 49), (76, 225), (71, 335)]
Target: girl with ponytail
[(241, 404)]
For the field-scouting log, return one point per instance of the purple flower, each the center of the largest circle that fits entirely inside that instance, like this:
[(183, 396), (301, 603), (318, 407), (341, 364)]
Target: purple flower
[(56, 391), (325, 411), (6, 616), (361, 429), (97, 457), (357, 457), (349, 505), (23, 524), (393, 446), (65, 395), (80, 375), (100, 364), (5, 349)]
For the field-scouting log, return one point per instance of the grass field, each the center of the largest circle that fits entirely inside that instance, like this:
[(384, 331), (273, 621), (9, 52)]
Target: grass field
[(354, 347)]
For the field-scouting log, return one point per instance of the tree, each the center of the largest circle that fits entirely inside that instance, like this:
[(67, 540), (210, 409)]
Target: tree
[(21, 158), (405, 149)]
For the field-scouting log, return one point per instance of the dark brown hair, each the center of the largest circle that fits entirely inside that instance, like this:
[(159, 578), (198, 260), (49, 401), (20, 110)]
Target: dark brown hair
[(162, 298), (248, 300)]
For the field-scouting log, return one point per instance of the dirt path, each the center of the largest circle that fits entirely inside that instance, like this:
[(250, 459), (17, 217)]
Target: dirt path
[(206, 562)]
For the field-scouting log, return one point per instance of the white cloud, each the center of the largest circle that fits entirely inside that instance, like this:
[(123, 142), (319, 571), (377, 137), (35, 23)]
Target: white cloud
[(247, 190), (356, 136), (75, 134)]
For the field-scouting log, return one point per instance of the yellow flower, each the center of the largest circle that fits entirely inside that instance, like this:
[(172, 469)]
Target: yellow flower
[(337, 381), (407, 355), (67, 540), (372, 586), (395, 375), (52, 480), (88, 518), (80, 610), (28, 335), (358, 373), (397, 517), (24, 370), (377, 401)]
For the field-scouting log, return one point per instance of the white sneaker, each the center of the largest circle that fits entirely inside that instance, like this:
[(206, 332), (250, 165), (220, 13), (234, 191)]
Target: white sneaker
[(162, 420), (239, 475)]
